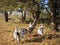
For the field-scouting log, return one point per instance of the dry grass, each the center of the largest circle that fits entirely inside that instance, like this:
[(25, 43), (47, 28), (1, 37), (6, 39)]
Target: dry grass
[(6, 33)]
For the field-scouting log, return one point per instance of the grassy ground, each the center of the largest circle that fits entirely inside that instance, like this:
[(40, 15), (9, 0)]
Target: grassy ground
[(7, 28)]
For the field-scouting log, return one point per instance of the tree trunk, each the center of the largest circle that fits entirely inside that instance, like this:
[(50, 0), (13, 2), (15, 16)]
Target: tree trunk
[(33, 14), (30, 29), (36, 19), (23, 16), (6, 16), (53, 8)]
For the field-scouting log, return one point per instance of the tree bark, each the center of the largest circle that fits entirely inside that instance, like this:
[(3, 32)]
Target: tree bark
[(35, 20), (23, 16), (30, 29), (33, 14), (53, 8), (6, 16)]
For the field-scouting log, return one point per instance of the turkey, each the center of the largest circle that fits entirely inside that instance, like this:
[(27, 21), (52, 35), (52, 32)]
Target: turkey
[(30, 28), (30, 25), (40, 30), (23, 31), (16, 34)]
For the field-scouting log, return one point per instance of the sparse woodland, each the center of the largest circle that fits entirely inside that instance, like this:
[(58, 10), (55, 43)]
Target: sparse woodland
[(37, 12)]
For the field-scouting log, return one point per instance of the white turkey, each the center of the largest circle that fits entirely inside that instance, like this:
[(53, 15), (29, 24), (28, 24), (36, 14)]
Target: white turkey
[(40, 30), (16, 34), (30, 25)]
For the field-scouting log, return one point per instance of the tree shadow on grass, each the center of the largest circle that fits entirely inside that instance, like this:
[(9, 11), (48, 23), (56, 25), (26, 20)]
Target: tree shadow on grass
[(42, 38), (34, 40), (35, 35)]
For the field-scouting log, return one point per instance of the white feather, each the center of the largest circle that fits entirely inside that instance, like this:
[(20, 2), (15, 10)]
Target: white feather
[(30, 25), (40, 30), (16, 34)]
